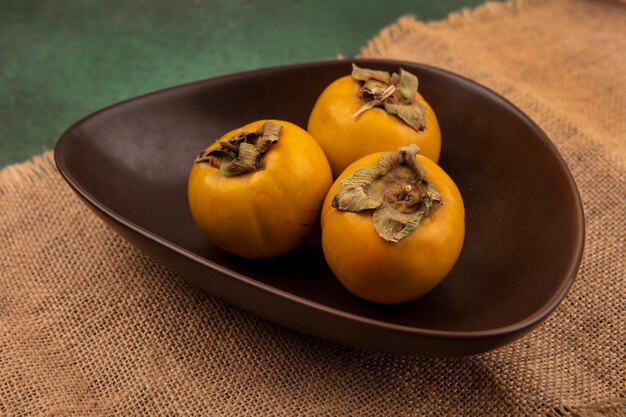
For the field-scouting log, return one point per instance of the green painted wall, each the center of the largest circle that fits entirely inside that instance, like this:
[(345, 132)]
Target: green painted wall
[(62, 59)]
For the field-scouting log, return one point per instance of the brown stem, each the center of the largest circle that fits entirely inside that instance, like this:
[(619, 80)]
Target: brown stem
[(395, 93), (396, 190), (242, 152)]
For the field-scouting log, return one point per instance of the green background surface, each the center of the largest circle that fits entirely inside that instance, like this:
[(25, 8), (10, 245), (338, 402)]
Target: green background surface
[(63, 59)]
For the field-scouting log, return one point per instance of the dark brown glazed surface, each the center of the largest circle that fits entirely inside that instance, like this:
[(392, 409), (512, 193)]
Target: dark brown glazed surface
[(524, 219)]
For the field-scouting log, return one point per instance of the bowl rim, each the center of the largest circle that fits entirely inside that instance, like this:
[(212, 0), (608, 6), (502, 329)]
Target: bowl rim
[(526, 323)]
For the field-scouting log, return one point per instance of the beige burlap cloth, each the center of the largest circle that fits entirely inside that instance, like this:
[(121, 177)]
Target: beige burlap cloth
[(90, 326)]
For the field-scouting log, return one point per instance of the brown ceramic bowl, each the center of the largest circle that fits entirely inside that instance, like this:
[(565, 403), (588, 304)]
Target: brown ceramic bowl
[(524, 224)]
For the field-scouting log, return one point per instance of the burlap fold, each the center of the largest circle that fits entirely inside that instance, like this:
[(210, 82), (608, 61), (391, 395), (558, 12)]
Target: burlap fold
[(90, 326)]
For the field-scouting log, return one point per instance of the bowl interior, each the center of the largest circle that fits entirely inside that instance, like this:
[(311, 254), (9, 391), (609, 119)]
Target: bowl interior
[(523, 218)]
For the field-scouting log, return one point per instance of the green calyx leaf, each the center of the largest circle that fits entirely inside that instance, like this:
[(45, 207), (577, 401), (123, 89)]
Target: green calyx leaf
[(353, 193), (396, 190), (364, 74), (242, 152), (394, 92), (407, 85)]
